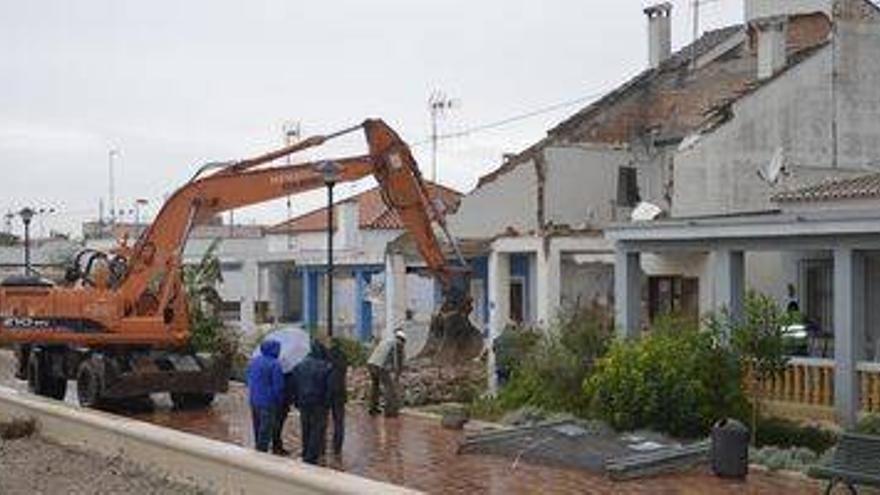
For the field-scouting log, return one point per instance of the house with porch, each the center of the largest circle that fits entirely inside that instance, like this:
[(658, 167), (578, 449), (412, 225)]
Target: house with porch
[(827, 240)]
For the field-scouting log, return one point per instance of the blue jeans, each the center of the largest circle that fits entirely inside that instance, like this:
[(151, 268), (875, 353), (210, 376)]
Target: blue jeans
[(264, 426)]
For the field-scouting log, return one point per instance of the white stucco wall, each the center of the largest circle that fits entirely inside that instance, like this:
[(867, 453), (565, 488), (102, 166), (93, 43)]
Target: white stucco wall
[(585, 283), (581, 184), (508, 201)]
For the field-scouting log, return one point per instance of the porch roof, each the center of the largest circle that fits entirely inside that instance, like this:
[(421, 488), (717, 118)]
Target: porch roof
[(756, 231)]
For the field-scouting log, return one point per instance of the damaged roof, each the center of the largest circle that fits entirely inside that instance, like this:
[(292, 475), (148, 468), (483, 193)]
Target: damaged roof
[(373, 213), (861, 187), (668, 103)]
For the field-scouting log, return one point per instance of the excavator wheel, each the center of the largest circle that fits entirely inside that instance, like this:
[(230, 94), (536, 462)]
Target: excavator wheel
[(40, 379), (184, 401), (89, 384)]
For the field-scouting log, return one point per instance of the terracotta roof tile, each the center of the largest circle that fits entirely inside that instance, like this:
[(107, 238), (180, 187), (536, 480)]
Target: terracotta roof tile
[(373, 214), (861, 187)]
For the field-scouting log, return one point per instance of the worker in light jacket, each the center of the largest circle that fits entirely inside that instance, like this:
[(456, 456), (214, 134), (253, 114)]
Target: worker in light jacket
[(385, 365)]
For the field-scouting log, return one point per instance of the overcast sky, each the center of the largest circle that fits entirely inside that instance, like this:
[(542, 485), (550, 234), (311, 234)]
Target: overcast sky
[(172, 84)]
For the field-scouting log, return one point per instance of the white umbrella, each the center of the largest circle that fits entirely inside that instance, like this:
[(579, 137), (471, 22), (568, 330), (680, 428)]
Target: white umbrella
[(295, 345)]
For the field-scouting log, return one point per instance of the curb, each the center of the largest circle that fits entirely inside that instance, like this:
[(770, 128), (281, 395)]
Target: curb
[(209, 464)]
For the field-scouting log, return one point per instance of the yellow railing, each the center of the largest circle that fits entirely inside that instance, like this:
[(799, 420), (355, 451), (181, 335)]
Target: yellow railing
[(805, 389)]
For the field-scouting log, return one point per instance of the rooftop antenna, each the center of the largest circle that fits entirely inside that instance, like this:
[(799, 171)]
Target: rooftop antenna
[(438, 104), (111, 155)]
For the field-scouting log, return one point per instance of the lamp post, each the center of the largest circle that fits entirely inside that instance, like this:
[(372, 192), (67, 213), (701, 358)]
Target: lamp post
[(329, 170), (27, 214)]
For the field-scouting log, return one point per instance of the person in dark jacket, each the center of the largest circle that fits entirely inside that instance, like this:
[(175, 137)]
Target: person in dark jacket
[(265, 382), (338, 393), (283, 412), (312, 383)]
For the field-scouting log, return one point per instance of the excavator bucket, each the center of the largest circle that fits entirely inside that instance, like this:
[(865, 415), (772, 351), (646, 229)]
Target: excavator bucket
[(452, 338)]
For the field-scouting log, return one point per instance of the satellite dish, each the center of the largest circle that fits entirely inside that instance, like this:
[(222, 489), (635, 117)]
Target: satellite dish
[(645, 212), (775, 168)]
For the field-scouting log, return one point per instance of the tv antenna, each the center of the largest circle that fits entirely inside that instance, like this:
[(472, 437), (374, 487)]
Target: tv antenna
[(438, 104)]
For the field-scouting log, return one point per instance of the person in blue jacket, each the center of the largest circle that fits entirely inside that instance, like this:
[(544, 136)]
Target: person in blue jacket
[(312, 398), (265, 382)]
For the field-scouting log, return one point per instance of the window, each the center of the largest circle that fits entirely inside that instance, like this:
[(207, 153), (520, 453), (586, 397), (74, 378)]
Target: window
[(673, 295), (230, 311), (817, 278), (517, 300), (627, 186)]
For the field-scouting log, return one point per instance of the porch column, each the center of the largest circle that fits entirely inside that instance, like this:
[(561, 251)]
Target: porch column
[(730, 282), (310, 298), (395, 292), (849, 321), (628, 292), (499, 307), (363, 308), (251, 272), (548, 285)]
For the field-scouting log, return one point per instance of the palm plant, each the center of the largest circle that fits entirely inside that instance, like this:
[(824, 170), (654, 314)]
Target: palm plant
[(200, 282)]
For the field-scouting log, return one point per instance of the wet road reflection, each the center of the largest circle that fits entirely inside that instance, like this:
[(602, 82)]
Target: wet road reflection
[(418, 453)]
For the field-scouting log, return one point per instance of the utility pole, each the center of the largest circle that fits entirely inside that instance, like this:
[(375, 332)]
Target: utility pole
[(438, 104), (111, 155)]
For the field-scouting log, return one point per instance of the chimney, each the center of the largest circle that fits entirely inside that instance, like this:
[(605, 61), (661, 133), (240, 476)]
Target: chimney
[(771, 40), (659, 33)]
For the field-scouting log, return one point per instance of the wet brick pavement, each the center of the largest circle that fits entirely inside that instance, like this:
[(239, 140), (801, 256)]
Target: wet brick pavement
[(417, 453)]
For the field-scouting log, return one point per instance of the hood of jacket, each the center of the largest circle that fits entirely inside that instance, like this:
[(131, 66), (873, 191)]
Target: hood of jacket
[(270, 348)]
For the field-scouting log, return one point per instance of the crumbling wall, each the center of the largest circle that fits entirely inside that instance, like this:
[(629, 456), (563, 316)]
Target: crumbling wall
[(719, 173), (510, 201), (581, 184), (857, 83)]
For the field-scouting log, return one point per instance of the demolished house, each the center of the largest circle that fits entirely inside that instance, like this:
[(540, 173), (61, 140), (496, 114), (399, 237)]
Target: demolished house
[(793, 91)]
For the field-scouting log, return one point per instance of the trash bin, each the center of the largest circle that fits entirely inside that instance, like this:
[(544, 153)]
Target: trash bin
[(729, 453)]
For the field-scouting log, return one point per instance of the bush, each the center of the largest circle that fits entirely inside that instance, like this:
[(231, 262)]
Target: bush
[(869, 425), (785, 433), (551, 373), (355, 352), (790, 459), (678, 382)]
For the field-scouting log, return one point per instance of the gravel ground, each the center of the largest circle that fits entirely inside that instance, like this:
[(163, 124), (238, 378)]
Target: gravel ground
[(35, 466)]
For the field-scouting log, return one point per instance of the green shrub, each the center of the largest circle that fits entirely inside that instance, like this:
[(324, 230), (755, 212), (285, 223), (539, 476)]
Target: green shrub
[(785, 433), (549, 376), (678, 382), (355, 352), (869, 425), (789, 459)]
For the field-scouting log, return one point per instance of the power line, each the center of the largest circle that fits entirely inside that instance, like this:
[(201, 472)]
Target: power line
[(509, 120)]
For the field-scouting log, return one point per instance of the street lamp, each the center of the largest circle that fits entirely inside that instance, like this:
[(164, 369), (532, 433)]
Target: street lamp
[(330, 171), (27, 214)]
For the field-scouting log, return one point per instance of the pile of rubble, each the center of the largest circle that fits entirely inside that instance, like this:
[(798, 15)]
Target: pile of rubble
[(422, 383)]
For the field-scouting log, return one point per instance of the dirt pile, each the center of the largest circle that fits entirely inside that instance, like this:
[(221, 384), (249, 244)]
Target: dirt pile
[(423, 384)]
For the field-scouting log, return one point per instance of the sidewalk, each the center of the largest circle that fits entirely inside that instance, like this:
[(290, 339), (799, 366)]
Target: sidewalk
[(416, 452)]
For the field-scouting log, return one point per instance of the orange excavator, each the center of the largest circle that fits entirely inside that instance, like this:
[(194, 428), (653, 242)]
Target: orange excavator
[(120, 324)]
